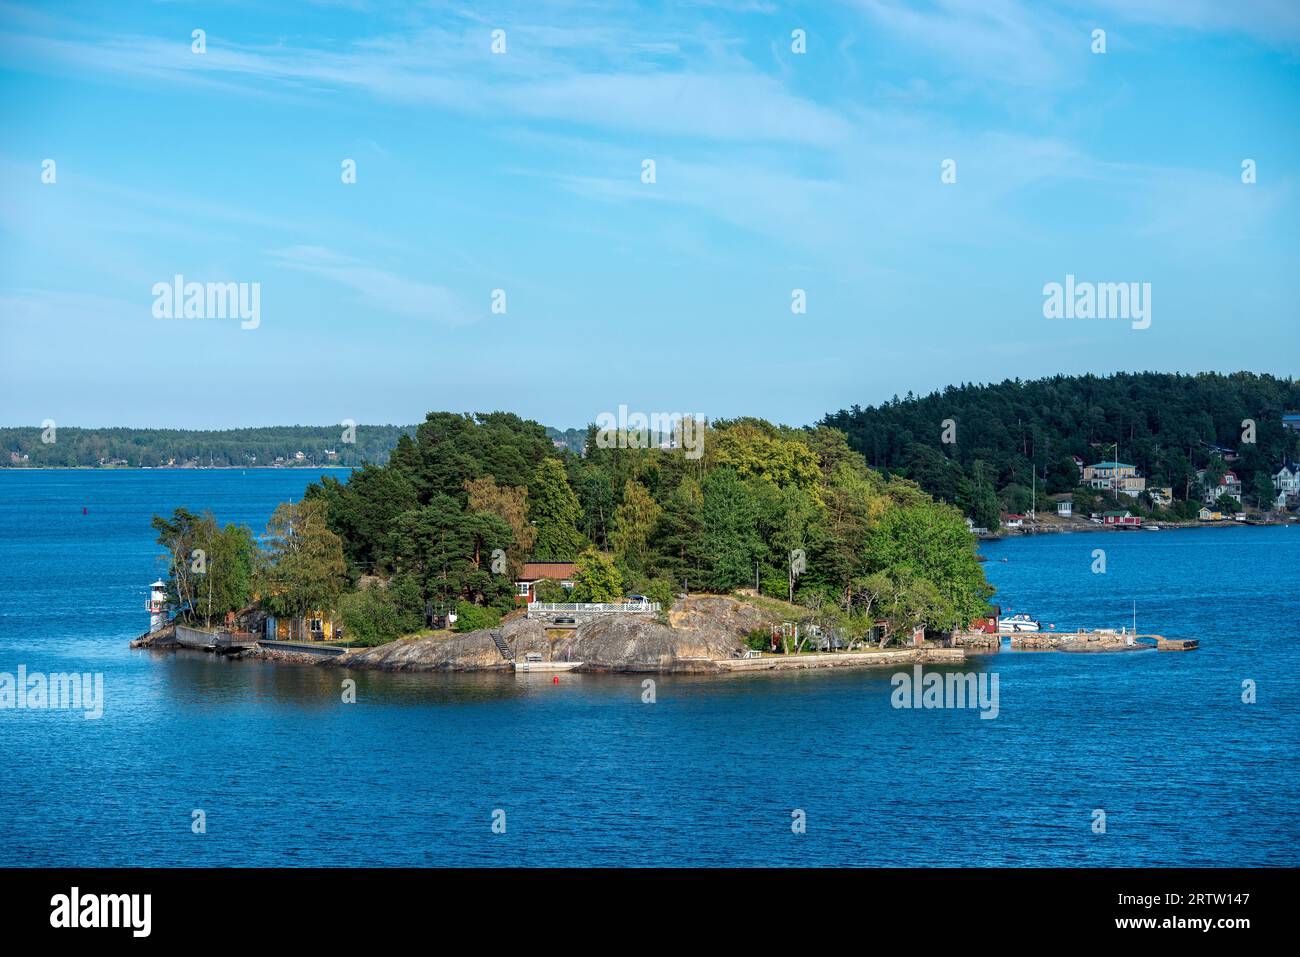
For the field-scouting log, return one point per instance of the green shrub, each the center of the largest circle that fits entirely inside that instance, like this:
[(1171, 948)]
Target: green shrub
[(471, 617), (369, 617), (662, 591), (404, 593), (550, 590), (655, 589), (759, 639)]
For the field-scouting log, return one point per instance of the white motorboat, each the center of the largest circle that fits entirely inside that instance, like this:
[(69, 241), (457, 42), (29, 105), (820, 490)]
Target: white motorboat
[(1015, 623)]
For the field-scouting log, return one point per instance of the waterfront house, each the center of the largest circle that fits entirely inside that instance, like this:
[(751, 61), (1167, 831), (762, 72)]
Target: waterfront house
[(1065, 508), (1123, 518), (1229, 484), (534, 572), (316, 626), (1207, 514), (1162, 496), (1013, 521), (1286, 480), (1114, 477)]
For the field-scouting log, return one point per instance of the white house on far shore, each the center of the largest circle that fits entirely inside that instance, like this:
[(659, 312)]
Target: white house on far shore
[(1286, 480), (1230, 484)]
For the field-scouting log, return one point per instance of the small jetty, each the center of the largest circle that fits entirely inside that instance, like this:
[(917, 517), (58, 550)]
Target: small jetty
[(221, 640), (1101, 640), (314, 649), (533, 662)]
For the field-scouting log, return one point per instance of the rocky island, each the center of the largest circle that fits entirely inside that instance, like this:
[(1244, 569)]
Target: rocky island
[(447, 557)]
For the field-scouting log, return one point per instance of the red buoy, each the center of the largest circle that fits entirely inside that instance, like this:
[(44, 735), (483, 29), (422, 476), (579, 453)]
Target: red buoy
[(555, 680)]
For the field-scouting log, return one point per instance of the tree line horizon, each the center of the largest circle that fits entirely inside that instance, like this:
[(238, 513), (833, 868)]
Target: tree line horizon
[(889, 540)]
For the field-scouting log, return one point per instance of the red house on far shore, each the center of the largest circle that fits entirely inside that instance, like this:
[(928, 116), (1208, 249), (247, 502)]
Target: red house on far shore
[(1124, 518), (533, 572)]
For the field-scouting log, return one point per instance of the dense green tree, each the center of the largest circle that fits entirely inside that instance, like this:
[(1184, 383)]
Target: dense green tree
[(593, 484), (977, 498), (754, 448), (304, 570), (226, 584), (1262, 490), (930, 540), (510, 504), (634, 522), (729, 539), (210, 568), (1015, 498), (181, 537), (905, 600), (447, 551), (596, 578), (555, 511), (362, 510), (451, 449), (679, 534)]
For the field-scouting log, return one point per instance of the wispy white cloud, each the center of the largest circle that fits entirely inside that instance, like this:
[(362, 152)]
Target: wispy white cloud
[(999, 41), (616, 78), (377, 288), (1272, 22)]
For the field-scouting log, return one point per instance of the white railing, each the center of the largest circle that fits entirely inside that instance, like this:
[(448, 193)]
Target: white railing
[(546, 609)]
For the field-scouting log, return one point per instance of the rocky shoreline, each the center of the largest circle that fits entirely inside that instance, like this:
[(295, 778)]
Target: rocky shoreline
[(702, 635)]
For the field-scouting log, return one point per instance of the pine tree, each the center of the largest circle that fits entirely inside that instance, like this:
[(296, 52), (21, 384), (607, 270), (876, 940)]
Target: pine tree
[(555, 512)]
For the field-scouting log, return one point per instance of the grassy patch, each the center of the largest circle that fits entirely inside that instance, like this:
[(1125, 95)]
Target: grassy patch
[(773, 607)]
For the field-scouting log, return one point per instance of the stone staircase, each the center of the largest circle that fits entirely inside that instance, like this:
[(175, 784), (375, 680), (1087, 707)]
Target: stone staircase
[(502, 647)]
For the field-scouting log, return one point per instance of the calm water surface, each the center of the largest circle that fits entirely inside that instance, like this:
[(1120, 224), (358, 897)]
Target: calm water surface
[(588, 775)]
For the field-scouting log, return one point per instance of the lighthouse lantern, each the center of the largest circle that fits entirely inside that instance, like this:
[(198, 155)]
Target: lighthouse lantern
[(157, 605)]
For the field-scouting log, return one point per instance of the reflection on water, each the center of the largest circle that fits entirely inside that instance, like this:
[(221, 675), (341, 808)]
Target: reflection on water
[(199, 678)]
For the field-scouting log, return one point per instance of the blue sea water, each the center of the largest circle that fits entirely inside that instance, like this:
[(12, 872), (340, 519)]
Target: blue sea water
[(588, 774)]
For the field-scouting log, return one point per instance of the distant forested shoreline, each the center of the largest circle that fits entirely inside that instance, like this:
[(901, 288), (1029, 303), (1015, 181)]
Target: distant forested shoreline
[(274, 446), (283, 446), (984, 448), (1005, 438)]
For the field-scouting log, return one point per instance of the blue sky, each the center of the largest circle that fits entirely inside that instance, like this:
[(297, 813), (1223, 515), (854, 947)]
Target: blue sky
[(522, 171)]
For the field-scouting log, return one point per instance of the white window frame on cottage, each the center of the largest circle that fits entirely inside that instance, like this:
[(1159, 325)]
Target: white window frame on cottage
[(523, 589)]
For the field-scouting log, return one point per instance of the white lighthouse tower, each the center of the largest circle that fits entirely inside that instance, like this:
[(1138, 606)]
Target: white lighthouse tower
[(157, 605)]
